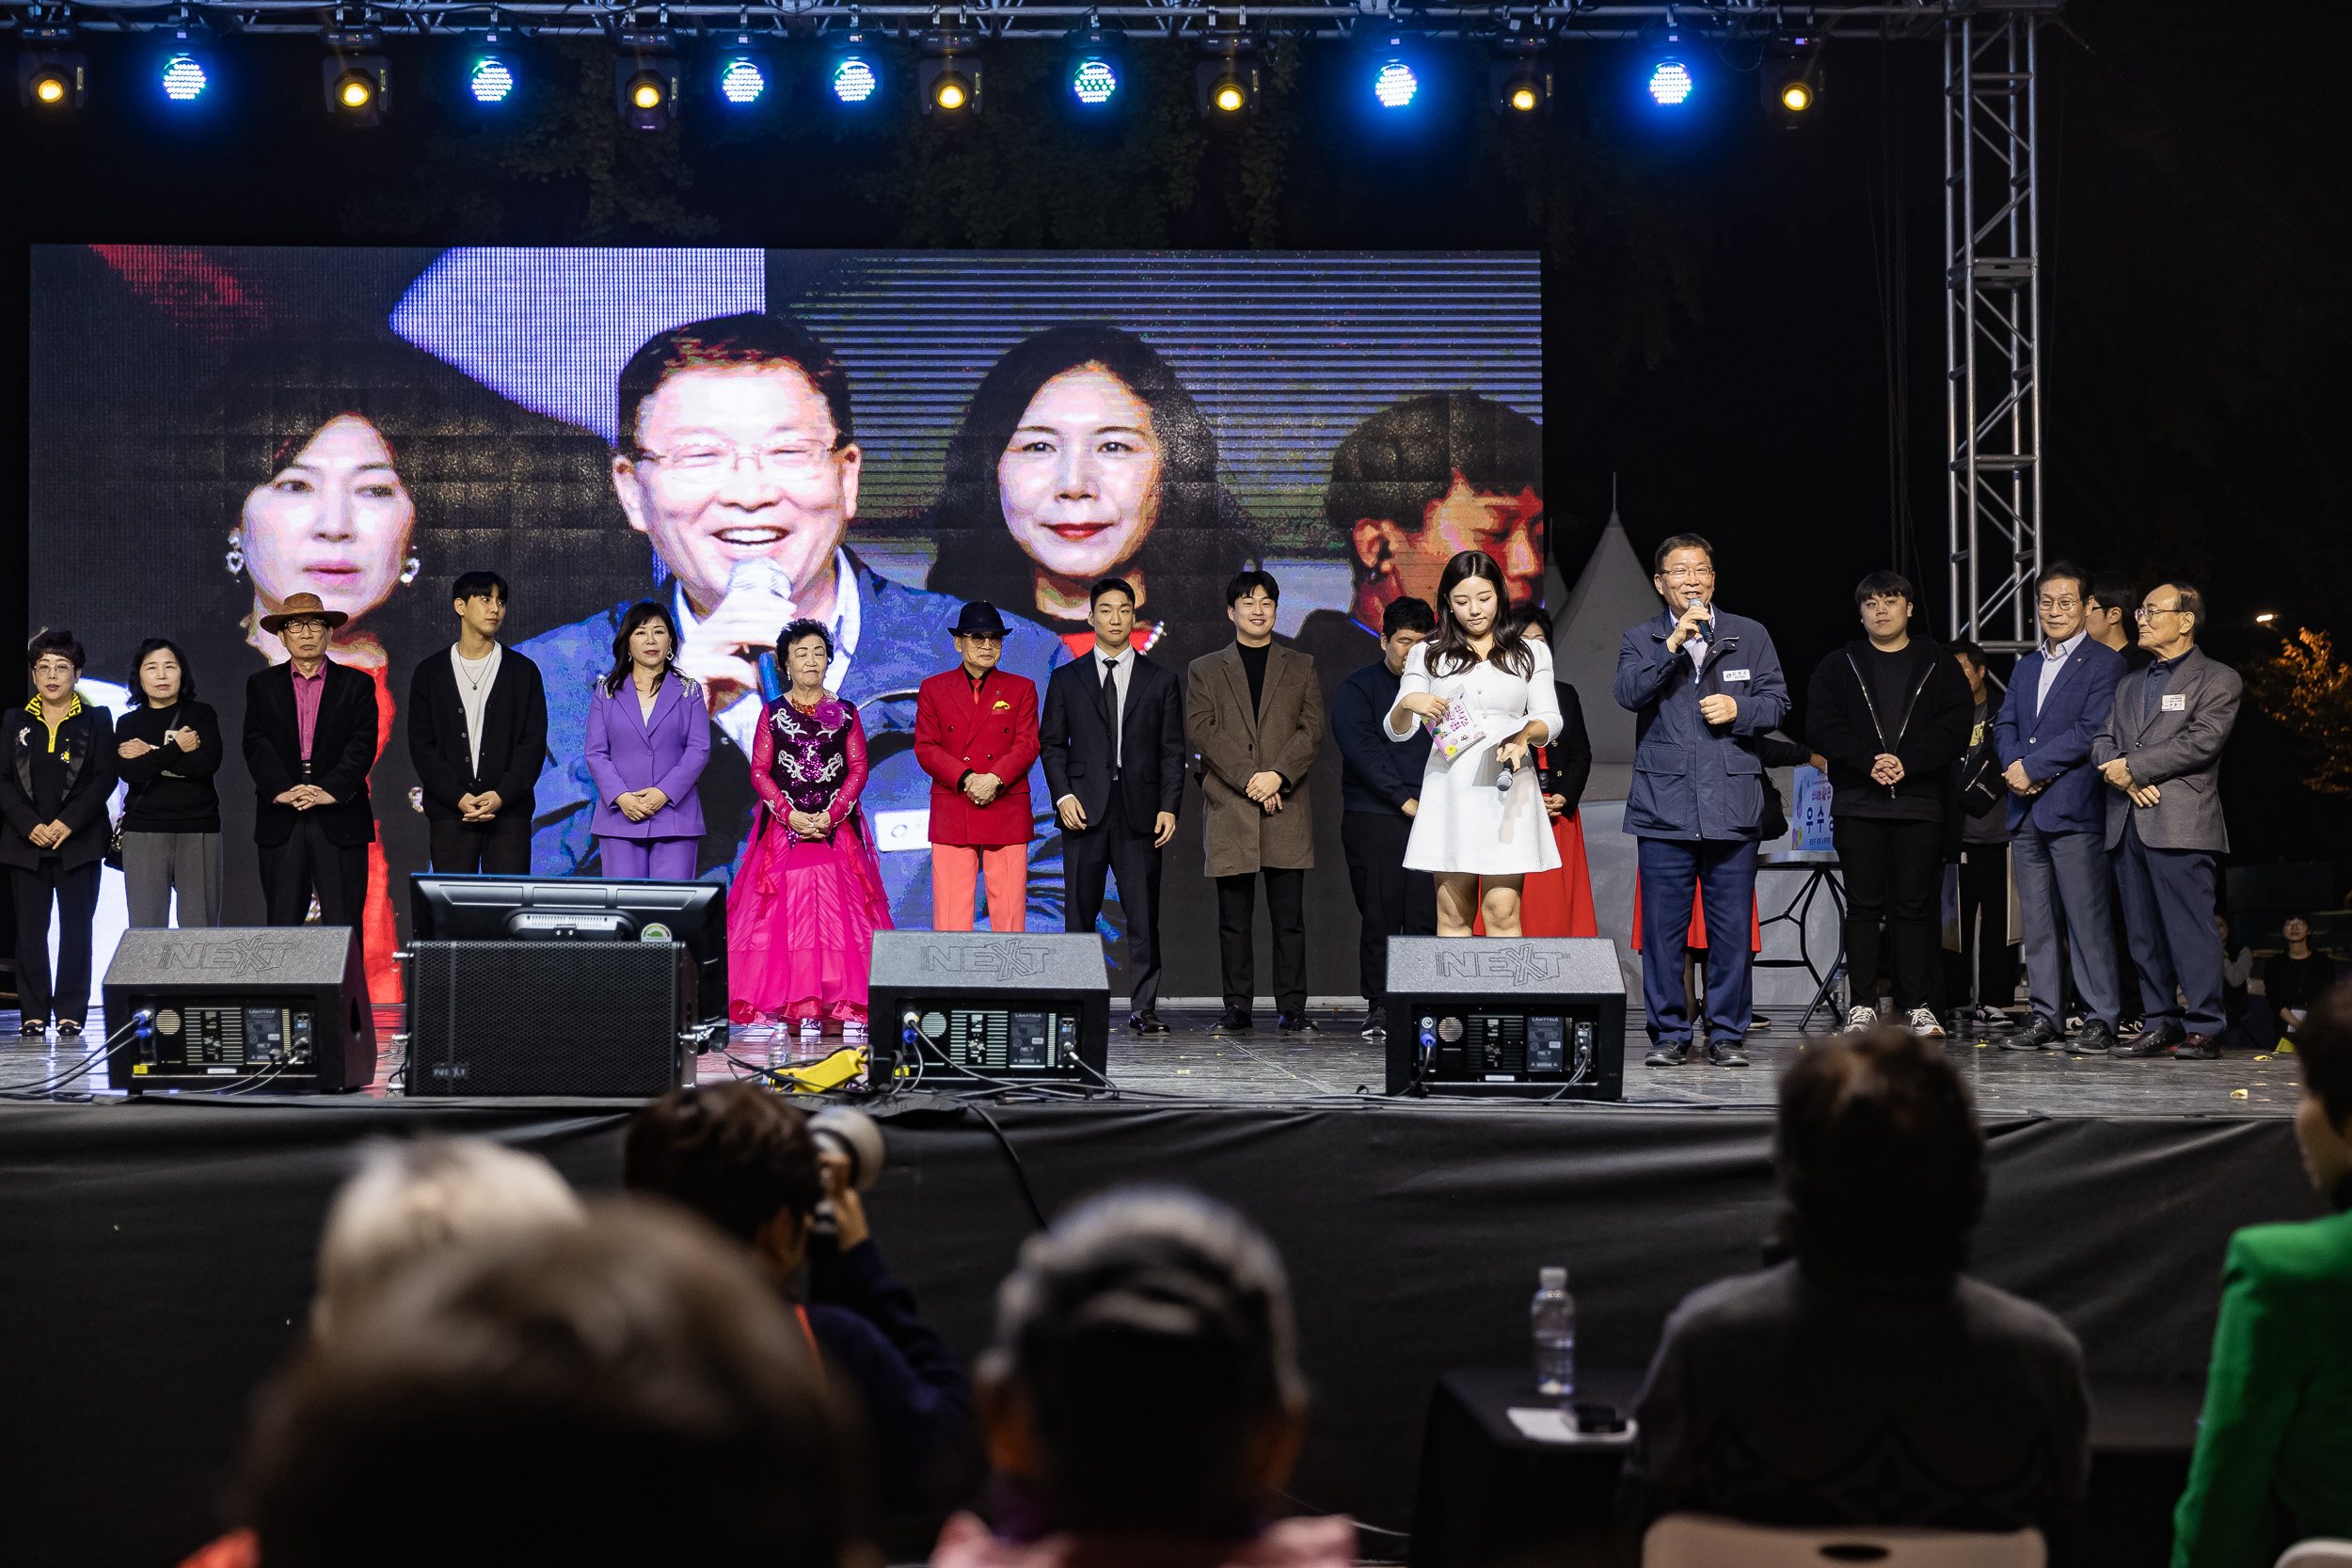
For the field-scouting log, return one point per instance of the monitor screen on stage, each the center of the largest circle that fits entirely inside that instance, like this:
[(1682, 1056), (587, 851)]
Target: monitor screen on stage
[(216, 429)]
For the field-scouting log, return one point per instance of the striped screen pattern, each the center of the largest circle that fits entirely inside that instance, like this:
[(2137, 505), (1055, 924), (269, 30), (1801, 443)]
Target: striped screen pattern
[(1285, 353)]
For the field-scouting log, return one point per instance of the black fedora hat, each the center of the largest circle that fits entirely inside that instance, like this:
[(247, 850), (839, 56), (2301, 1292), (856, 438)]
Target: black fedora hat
[(979, 619)]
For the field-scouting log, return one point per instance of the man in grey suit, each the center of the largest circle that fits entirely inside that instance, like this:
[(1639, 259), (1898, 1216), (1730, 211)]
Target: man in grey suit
[(2161, 751)]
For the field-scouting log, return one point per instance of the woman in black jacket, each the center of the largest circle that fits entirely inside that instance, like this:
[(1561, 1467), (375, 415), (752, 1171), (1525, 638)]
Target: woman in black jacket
[(53, 783), (169, 752)]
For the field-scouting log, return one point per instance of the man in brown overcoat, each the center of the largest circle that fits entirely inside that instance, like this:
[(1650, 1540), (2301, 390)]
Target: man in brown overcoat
[(1253, 716)]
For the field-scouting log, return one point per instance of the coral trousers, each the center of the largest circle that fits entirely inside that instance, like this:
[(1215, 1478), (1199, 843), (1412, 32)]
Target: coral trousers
[(956, 871)]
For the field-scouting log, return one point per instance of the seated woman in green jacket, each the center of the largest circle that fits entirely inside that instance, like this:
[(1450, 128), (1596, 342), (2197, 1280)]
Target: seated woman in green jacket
[(2273, 1462)]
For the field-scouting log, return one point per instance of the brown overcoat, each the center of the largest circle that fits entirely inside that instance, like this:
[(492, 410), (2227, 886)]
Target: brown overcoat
[(1229, 743)]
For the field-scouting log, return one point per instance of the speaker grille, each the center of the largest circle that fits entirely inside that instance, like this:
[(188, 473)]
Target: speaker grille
[(556, 1017)]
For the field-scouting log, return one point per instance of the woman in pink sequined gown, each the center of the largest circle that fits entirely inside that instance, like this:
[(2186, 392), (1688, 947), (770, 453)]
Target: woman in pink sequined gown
[(808, 896)]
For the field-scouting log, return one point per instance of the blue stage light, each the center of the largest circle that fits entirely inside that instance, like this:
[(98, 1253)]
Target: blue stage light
[(853, 80), (1670, 82), (1395, 85), (1094, 81), (490, 81), (185, 77), (741, 82)]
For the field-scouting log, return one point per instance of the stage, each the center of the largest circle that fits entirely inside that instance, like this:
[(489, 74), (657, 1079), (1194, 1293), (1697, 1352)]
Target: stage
[(156, 1258)]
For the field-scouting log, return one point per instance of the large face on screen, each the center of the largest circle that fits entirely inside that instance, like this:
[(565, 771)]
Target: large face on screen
[(1080, 479), (1509, 528), (736, 462), (334, 521)]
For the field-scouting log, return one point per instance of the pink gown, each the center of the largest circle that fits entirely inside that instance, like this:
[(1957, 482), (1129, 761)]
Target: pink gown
[(802, 913)]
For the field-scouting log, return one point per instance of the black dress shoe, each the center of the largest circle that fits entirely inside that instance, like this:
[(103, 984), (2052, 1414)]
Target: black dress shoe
[(1725, 1054), (33, 1026), (2197, 1048), (68, 1028), (2097, 1039), (1668, 1055), (1145, 1023), (2041, 1035), (1234, 1021), (1296, 1024), (2157, 1040)]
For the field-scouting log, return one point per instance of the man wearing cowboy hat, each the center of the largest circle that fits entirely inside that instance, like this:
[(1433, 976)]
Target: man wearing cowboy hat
[(310, 740), (976, 734)]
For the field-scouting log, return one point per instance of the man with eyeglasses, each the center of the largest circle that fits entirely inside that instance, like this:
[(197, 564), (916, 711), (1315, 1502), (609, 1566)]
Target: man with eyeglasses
[(1702, 686), (737, 458), (2160, 754), (2058, 697)]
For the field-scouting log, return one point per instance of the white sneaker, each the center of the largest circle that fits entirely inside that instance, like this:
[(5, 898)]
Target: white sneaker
[(853, 1033), (812, 1035), (1923, 1023), (1859, 1018)]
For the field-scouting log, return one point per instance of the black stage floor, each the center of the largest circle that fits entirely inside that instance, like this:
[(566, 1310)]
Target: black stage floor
[(156, 1257), (1194, 1062)]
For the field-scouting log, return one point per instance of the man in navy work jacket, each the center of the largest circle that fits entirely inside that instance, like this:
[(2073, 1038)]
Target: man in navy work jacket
[(1379, 797), (1702, 687), (2058, 701)]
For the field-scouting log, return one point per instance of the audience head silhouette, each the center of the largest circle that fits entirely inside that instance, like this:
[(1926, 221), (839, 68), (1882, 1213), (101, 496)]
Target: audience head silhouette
[(1881, 1159), (1144, 1380), (411, 1200), (2323, 1120), (623, 1391), (737, 1155)]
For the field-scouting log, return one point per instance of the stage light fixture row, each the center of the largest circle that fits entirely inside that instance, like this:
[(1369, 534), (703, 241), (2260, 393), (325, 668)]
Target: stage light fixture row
[(1096, 67)]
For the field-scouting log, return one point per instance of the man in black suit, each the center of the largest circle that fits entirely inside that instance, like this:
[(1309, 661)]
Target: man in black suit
[(1114, 718), (310, 740), (478, 734)]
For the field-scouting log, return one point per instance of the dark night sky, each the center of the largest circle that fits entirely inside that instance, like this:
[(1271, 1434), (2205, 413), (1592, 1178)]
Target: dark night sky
[(1719, 292)]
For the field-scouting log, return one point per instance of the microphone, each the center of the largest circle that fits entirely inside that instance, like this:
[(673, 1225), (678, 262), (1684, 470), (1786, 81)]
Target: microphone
[(759, 575)]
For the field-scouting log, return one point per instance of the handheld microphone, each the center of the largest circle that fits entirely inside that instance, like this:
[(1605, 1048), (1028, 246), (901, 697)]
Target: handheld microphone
[(761, 577)]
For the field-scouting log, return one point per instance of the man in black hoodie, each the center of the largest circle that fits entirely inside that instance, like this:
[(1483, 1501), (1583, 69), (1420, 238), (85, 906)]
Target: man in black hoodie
[(1891, 714)]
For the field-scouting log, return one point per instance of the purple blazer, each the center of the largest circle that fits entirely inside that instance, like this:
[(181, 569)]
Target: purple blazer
[(625, 753)]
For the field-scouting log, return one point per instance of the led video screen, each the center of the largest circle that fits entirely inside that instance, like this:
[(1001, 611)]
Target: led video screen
[(176, 388)]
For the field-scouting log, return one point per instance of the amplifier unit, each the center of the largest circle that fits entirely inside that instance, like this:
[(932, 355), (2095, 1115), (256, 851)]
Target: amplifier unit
[(972, 1004), (270, 1009), (607, 1018), (1537, 1018)]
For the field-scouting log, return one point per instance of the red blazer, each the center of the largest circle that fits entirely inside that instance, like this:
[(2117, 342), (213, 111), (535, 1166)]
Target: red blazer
[(998, 733)]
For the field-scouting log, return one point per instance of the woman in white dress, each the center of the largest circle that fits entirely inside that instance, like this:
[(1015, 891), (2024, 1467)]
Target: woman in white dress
[(1471, 824)]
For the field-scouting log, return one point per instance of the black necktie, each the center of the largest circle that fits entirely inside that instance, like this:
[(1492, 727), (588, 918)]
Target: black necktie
[(1110, 701)]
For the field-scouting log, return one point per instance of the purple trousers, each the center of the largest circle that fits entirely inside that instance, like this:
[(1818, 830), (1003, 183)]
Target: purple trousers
[(662, 860)]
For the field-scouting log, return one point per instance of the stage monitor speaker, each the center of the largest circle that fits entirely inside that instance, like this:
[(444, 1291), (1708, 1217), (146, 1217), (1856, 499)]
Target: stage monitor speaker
[(269, 1008), (977, 1005), (1539, 1018), (603, 1018)]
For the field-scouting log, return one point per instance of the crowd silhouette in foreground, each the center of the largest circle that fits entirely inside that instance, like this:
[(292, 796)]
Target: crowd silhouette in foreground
[(719, 1368)]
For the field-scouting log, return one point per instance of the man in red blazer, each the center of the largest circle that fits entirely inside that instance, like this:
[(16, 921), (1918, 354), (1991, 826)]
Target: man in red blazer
[(976, 734)]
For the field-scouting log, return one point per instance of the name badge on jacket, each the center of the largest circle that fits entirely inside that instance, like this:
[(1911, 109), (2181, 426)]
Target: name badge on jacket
[(2174, 702), (1735, 674)]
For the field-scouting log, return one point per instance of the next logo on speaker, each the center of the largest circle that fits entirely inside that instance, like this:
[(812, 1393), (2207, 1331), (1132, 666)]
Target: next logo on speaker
[(1522, 965), (1016, 960), (243, 957)]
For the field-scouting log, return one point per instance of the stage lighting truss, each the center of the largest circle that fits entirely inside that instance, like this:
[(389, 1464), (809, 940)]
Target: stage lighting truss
[(355, 78), (744, 73), (184, 72), (1669, 77), (950, 74), (1790, 81), (1095, 68), (645, 79), (1225, 77), (50, 75), (493, 69), (1518, 76), (853, 70)]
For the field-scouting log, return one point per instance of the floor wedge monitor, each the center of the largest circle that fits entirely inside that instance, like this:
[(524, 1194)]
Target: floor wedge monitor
[(972, 1005), (1536, 1017), (242, 1010)]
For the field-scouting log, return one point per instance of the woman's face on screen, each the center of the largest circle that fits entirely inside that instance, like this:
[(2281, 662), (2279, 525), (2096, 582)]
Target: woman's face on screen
[(1080, 479), (334, 521)]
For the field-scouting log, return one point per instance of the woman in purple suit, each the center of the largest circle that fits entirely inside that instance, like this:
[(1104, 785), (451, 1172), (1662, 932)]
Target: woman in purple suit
[(648, 737)]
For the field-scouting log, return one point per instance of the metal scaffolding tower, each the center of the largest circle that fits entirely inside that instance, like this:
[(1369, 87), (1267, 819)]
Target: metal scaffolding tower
[(1993, 325)]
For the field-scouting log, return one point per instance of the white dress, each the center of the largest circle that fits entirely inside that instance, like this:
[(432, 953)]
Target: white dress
[(1464, 823)]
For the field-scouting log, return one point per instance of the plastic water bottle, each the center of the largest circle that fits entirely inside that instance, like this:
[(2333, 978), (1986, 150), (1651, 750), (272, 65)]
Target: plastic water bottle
[(1551, 1316)]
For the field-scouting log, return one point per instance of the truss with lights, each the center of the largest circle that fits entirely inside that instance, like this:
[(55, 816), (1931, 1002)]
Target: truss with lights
[(1992, 172)]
